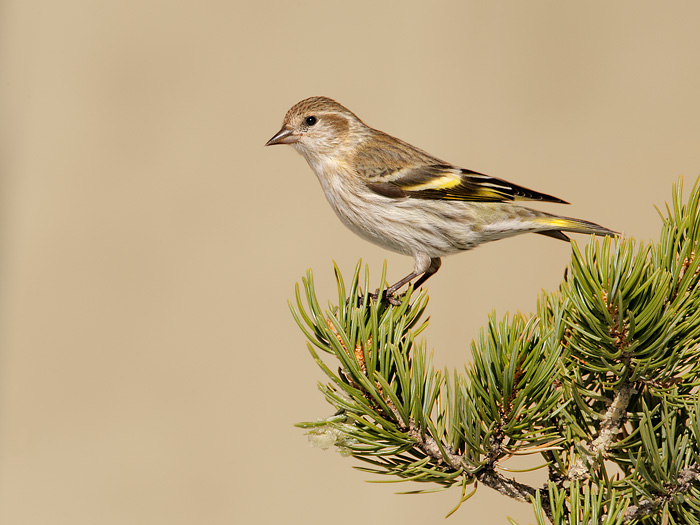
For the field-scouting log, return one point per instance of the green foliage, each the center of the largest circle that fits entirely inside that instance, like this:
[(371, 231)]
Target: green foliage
[(581, 504), (601, 384)]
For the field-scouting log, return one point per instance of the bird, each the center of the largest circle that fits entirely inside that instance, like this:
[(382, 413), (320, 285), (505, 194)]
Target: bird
[(406, 200)]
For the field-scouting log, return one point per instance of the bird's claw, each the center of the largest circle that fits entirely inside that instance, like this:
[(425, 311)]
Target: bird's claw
[(390, 298)]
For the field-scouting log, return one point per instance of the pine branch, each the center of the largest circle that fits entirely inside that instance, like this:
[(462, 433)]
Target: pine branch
[(610, 428), (486, 475), (608, 369), (682, 485), (440, 452)]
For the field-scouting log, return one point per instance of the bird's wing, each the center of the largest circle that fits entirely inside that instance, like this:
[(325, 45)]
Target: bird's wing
[(445, 182)]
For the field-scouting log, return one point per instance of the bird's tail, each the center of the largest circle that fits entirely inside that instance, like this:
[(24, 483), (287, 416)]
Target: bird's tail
[(556, 226)]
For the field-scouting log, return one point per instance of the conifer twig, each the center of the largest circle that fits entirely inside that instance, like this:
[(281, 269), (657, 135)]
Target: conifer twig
[(443, 453), (684, 481), (611, 425), (608, 371)]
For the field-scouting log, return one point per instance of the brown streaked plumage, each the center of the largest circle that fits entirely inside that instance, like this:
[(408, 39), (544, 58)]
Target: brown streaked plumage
[(404, 199)]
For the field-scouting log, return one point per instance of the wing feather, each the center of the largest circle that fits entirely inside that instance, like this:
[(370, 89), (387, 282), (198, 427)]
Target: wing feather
[(445, 182), (396, 169)]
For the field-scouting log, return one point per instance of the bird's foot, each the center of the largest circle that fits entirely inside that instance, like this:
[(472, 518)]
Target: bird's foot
[(390, 298)]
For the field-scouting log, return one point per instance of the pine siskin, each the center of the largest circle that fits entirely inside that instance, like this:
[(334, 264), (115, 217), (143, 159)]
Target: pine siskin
[(404, 199)]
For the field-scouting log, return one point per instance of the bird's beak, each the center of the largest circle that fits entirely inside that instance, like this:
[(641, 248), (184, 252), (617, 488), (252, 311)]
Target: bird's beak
[(283, 136)]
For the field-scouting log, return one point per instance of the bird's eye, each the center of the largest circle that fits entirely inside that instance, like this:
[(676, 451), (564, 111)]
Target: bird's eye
[(310, 121)]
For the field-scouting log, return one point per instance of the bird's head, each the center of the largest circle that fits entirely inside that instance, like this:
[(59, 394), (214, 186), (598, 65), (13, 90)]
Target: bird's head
[(319, 127)]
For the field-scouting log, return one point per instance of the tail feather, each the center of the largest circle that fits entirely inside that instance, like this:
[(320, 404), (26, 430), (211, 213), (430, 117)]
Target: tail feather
[(556, 234), (559, 225)]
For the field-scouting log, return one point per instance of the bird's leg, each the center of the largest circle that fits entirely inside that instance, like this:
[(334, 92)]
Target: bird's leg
[(389, 292), (435, 263), (424, 266)]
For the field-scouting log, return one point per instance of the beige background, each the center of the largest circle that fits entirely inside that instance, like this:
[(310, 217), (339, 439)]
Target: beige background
[(150, 371)]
